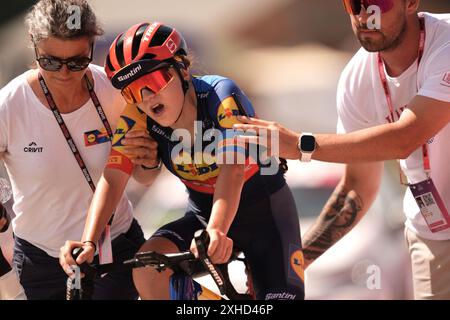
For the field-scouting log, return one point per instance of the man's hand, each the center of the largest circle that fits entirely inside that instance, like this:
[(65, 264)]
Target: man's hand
[(264, 131)]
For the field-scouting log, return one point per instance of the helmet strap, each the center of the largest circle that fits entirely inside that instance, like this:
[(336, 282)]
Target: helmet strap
[(184, 82), (184, 86)]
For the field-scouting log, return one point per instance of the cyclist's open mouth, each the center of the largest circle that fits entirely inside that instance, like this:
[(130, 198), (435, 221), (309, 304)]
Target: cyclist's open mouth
[(158, 109)]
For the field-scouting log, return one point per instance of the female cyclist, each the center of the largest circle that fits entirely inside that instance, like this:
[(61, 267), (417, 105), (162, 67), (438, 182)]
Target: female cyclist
[(234, 202)]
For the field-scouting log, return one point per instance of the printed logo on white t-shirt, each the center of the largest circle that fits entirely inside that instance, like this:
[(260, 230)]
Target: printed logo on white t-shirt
[(33, 148), (446, 80), (96, 137), (396, 115)]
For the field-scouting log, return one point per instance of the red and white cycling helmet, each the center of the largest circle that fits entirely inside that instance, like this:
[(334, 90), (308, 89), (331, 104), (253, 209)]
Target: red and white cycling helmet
[(141, 49)]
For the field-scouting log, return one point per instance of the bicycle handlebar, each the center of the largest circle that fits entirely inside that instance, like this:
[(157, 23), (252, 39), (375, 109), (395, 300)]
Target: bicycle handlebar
[(178, 262)]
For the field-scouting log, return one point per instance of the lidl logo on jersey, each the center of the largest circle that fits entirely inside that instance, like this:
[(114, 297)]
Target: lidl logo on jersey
[(186, 168), (446, 80), (297, 263), (33, 148), (94, 137), (123, 126), (227, 113)]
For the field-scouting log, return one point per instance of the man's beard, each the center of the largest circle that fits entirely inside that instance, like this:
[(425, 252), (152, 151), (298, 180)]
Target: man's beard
[(383, 44)]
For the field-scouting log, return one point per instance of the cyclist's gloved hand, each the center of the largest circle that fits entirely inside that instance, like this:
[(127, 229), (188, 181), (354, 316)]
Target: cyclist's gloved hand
[(4, 219), (220, 247), (65, 255)]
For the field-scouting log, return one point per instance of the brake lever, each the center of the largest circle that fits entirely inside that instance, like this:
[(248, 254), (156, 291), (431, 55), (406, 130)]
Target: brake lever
[(201, 238)]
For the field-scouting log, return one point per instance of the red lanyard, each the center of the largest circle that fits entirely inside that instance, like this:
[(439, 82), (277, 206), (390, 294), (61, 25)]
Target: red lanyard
[(387, 92), (66, 132)]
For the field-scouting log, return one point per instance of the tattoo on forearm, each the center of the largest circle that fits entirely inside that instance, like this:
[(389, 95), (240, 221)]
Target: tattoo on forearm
[(338, 217)]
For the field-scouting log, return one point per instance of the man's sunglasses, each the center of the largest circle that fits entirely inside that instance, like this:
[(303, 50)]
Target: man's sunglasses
[(354, 7), (154, 81), (55, 64)]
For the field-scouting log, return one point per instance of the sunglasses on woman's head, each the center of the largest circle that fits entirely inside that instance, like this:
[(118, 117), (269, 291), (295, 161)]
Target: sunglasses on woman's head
[(354, 7), (154, 81), (55, 64)]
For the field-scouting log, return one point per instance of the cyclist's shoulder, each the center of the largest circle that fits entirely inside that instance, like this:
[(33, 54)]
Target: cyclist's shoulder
[(214, 86), (216, 94)]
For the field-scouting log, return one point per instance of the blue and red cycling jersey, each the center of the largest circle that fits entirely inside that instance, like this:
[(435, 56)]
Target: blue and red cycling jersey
[(216, 109)]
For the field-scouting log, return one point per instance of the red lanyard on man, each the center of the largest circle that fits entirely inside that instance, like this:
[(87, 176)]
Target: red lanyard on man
[(387, 92)]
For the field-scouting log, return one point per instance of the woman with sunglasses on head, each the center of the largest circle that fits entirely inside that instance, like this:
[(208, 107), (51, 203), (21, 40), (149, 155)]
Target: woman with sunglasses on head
[(237, 202), (55, 127)]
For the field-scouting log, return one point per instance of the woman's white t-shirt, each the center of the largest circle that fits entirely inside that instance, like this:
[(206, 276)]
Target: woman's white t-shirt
[(51, 194)]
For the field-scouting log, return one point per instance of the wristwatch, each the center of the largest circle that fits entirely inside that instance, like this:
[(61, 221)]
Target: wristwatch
[(307, 146)]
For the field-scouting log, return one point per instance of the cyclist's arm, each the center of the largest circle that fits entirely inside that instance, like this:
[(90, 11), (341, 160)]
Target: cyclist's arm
[(109, 191), (142, 150), (225, 204), (145, 177), (226, 196), (348, 204)]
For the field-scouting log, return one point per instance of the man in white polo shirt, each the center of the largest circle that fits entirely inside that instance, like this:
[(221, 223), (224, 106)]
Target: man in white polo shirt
[(393, 103)]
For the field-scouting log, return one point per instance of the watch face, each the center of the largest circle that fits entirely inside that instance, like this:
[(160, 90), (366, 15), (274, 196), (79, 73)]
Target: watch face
[(308, 143)]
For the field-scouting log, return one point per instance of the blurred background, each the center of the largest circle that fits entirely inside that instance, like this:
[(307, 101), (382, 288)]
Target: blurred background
[(287, 56)]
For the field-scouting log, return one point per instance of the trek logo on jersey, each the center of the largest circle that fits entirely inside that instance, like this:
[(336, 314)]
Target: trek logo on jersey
[(94, 137), (297, 263), (446, 80), (227, 113), (33, 148), (203, 95)]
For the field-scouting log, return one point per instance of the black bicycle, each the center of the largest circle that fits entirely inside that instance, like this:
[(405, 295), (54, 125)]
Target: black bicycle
[(185, 268)]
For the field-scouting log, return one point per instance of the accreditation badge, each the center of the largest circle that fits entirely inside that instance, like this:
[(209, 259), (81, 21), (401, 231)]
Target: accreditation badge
[(431, 205)]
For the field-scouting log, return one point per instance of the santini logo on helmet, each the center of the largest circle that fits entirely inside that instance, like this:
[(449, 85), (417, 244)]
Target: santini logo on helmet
[(134, 71), (130, 74)]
